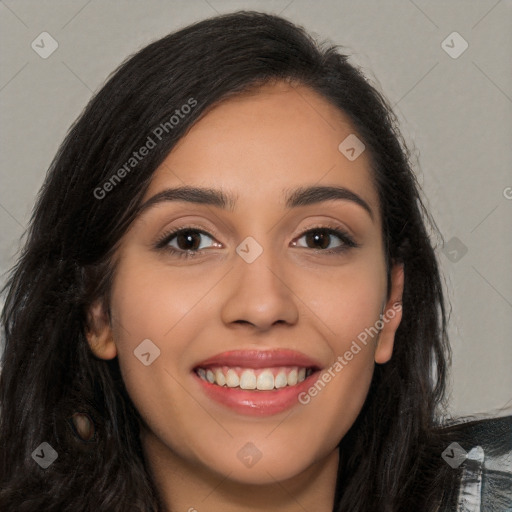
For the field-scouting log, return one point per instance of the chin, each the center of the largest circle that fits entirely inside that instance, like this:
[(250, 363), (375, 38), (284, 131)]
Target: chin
[(270, 463), (265, 472)]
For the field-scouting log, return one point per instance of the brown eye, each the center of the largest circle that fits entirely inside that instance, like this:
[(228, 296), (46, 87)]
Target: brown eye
[(185, 241), (189, 240), (324, 238), (318, 240)]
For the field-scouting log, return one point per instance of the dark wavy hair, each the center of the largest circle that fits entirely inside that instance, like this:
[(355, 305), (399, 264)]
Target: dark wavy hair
[(389, 459)]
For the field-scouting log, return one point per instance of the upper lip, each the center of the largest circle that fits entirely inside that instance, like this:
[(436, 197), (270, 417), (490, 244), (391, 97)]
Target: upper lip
[(260, 359)]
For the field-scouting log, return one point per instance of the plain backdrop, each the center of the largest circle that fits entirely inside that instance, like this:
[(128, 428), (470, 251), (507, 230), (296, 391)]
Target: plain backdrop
[(454, 104)]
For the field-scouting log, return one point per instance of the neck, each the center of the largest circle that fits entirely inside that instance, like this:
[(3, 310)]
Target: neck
[(183, 486)]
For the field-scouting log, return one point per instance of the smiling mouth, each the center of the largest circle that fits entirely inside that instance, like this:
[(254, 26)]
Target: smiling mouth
[(256, 383), (261, 379)]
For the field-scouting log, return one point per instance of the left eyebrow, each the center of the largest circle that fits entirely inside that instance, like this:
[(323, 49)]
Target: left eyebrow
[(302, 196)]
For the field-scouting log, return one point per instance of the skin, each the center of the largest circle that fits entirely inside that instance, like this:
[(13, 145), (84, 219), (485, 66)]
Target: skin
[(293, 296)]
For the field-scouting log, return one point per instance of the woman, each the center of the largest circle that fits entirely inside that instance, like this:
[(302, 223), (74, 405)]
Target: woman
[(228, 299)]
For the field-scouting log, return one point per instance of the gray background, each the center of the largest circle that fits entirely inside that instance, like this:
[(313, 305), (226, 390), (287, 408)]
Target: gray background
[(456, 112)]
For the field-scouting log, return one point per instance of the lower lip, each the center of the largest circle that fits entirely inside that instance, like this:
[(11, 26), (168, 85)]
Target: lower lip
[(256, 403)]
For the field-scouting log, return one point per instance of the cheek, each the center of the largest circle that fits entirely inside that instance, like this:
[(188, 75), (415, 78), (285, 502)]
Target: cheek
[(348, 302), (347, 299), (152, 302), (337, 396), (148, 306)]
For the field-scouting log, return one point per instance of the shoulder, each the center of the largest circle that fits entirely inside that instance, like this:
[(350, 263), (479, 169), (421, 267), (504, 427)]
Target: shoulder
[(480, 452)]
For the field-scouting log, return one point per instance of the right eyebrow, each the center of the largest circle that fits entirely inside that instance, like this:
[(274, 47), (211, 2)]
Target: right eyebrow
[(197, 195)]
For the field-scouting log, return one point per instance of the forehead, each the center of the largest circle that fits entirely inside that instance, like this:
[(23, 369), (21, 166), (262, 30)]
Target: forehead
[(260, 144)]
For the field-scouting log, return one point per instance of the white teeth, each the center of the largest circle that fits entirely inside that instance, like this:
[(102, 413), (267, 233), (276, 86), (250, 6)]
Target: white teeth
[(265, 381), (232, 380), (292, 378), (219, 378), (248, 380), (280, 381)]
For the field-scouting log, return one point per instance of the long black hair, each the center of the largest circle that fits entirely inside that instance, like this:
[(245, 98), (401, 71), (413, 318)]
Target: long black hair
[(49, 372)]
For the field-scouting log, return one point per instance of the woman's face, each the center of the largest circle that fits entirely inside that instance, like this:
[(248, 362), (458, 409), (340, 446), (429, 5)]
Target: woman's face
[(271, 289)]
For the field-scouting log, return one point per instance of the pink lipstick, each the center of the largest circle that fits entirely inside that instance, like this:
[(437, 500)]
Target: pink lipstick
[(256, 382)]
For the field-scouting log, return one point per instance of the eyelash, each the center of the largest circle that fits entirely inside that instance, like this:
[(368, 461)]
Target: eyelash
[(347, 241)]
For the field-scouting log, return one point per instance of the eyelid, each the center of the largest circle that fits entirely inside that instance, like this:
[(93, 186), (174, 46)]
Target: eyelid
[(347, 240), (163, 239), (163, 242), (329, 225)]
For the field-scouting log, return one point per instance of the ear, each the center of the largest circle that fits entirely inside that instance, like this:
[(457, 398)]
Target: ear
[(99, 331), (391, 316)]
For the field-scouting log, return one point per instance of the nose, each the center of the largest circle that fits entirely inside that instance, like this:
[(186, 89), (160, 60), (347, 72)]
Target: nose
[(260, 294)]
